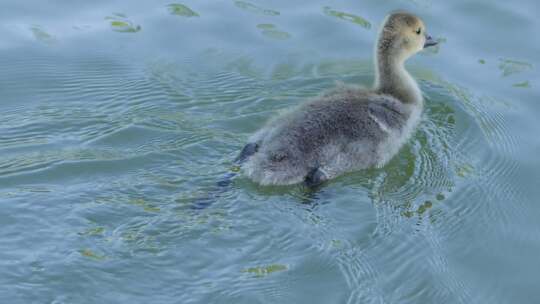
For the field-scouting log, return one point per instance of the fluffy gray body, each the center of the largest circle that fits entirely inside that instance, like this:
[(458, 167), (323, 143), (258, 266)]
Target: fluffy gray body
[(343, 131), (347, 129)]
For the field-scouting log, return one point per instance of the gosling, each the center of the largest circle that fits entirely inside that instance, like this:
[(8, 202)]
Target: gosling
[(350, 128)]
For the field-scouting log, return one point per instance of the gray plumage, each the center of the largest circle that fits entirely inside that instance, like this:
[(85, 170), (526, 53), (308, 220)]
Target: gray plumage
[(349, 128)]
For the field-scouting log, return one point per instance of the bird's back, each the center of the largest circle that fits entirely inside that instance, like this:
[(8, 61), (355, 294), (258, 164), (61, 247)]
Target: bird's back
[(348, 115), (339, 124)]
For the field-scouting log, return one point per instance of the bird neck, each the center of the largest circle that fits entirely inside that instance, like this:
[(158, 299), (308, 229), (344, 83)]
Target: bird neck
[(392, 78)]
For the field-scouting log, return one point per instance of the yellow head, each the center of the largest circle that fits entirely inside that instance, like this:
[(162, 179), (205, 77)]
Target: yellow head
[(402, 35)]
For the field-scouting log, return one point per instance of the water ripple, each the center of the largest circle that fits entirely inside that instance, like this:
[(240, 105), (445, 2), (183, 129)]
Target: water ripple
[(120, 150)]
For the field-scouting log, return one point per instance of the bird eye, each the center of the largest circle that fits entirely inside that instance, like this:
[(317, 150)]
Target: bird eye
[(419, 31)]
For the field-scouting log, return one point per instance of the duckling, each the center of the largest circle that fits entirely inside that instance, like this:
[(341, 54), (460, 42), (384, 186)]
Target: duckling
[(349, 128)]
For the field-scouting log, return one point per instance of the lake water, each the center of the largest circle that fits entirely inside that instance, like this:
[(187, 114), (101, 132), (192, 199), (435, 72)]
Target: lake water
[(117, 115)]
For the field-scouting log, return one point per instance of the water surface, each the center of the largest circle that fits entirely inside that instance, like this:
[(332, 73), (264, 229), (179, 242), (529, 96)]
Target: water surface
[(118, 115)]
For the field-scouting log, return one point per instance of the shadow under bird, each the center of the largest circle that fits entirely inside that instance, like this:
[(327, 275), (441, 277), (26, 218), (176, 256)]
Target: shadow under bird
[(347, 129)]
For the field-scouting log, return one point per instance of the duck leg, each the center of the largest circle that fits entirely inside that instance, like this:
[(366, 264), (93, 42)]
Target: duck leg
[(246, 152), (313, 182), (223, 184), (315, 178)]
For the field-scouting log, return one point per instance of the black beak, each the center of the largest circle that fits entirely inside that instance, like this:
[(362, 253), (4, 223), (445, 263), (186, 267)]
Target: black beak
[(429, 41)]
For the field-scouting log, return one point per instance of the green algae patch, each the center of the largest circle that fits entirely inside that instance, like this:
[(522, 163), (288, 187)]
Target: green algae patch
[(91, 255), (271, 31), (276, 34), (336, 243), (181, 10), (120, 23), (423, 208), (524, 84), (419, 211), (407, 214), (97, 231), (510, 66), (347, 17), (250, 7), (266, 26), (42, 36), (262, 271), (144, 204), (464, 170)]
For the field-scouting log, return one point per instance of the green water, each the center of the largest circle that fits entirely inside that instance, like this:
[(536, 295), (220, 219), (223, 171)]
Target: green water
[(117, 115)]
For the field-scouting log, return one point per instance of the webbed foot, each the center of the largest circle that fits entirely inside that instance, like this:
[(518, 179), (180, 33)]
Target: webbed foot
[(246, 152), (315, 178)]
